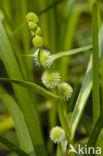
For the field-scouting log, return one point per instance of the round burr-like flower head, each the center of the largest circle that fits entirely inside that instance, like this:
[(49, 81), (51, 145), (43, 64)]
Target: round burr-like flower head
[(50, 79), (65, 90), (38, 41), (32, 17), (57, 134), (45, 59)]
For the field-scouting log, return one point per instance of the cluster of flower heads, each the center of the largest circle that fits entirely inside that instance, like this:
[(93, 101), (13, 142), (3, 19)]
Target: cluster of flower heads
[(57, 135), (42, 57), (52, 80), (32, 20)]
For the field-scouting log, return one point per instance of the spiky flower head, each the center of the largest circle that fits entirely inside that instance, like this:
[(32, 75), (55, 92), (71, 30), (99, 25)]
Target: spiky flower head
[(38, 41), (50, 79), (45, 59), (57, 135), (65, 90), (32, 17), (32, 25)]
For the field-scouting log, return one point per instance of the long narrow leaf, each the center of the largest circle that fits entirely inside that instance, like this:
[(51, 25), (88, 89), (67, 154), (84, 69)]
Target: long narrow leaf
[(95, 65), (22, 94), (85, 90), (96, 131), (21, 128), (71, 52), (32, 85), (12, 147), (67, 53)]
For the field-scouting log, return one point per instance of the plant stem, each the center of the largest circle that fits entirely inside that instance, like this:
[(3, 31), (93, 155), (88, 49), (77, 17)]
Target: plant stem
[(95, 65), (63, 119)]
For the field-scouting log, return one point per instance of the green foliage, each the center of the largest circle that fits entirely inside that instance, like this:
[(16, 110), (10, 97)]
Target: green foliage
[(45, 48)]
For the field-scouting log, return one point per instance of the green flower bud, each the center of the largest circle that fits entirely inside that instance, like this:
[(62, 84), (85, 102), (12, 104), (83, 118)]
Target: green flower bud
[(32, 17), (38, 41), (50, 80), (65, 90), (32, 25), (57, 135), (33, 33), (38, 31)]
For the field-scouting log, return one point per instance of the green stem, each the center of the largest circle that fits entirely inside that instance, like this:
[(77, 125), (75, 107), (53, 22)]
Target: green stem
[(63, 119), (59, 150), (96, 131), (95, 65)]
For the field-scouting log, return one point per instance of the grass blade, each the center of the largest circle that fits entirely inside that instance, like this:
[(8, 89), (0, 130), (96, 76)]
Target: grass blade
[(31, 85), (85, 90), (95, 66), (96, 131), (12, 147), (71, 52), (54, 4), (67, 53), (21, 128), (22, 94)]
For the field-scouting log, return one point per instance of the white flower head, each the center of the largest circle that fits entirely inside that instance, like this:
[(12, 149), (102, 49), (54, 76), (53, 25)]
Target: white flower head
[(65, 90), (57, 134), (50, 79), (45, 60)]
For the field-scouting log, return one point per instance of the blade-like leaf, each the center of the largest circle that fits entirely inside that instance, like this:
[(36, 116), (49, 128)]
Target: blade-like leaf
[(96, 131), (22, 94), (12, 147), (54, 4), (32, 85), (21, 128), (67, 53), (71, 52), (95, 65), (85, 90)]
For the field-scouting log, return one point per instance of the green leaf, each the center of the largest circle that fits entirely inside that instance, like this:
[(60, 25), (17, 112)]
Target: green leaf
[(85, 90), (71, 52), (33, 86), (96, 131), (67, 53), (22, 94), (12, 147), (95, 65), (54, 4), (20, 126)]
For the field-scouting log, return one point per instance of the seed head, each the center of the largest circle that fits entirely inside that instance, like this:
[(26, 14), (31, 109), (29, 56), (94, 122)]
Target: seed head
[(57, 135), (38, 41), (32, 17), (65, 90), (50, 80), (45, 59)]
